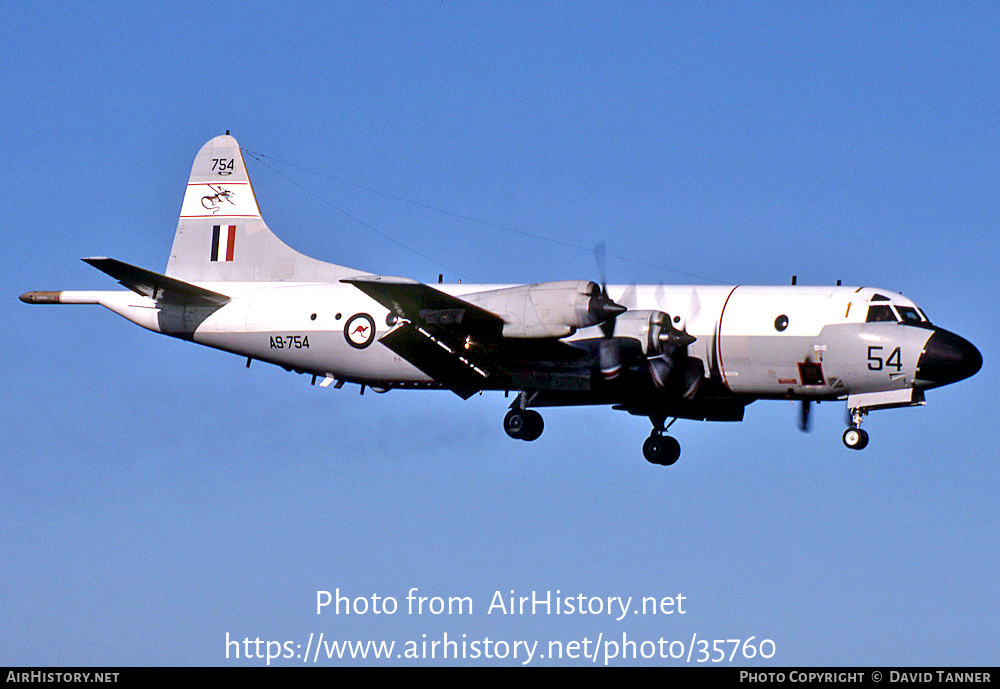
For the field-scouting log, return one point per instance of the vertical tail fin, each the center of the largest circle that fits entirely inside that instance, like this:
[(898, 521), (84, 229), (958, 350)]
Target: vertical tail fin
[(221, 236)]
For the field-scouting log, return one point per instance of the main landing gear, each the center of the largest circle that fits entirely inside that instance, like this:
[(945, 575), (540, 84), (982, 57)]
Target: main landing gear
[(854, 437), (521, 423), (660, 448)]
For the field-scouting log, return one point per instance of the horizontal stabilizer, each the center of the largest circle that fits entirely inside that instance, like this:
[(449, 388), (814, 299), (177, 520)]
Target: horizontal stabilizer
[(155, 286)]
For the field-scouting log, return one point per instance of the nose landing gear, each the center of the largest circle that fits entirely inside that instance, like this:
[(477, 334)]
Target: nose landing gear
[(659, 448), (854, 437)]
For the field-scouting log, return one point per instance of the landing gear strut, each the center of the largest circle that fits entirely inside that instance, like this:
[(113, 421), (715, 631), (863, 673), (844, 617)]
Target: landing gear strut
[(854, 437), (659, 448), (521, 423)]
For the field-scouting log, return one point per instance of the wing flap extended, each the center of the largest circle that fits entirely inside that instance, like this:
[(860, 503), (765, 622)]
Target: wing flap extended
[(461, 345), (156, 286), (448, 367)]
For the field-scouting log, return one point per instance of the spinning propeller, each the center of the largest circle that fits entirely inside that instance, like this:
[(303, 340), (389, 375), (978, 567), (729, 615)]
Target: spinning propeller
[(667, 348), (609, 351), (602, 308)]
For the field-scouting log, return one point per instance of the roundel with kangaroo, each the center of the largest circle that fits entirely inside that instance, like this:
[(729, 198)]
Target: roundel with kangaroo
[(359, 331)]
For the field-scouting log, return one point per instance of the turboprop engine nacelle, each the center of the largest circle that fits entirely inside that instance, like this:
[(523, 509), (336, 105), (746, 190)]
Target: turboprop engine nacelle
[(653, 330), (665, 349), (548, 309)]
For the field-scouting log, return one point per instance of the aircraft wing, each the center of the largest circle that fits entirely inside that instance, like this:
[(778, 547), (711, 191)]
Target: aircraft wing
[(160, 287), (461, 345), (430, 308), (439, 328)]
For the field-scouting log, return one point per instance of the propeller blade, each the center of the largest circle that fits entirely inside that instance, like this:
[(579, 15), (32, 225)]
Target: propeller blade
[(694, 305), (660, 368), (602, 308), (693, 376), (610, 358), (804, 416), (601, 256), (630, 297), (659, 295)]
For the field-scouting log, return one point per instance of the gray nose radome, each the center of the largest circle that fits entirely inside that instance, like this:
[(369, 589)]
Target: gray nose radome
[(948, 358)]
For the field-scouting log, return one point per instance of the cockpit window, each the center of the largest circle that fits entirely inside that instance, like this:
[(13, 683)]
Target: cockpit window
[(880, 313), (879, 297), (909, 314)]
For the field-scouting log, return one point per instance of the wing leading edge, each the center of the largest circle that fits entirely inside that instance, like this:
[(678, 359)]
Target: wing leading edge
[(430, 308)]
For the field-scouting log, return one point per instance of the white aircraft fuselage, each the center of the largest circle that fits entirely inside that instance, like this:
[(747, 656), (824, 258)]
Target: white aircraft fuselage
[(675, 351)]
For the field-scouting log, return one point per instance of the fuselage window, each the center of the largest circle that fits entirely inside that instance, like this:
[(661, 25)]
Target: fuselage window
[(880, 314), (908, 314)]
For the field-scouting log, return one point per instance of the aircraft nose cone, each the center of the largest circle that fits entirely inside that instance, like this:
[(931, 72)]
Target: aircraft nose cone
[(948, 358)]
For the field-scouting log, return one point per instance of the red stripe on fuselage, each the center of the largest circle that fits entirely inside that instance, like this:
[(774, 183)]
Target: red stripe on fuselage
[(718, 340)]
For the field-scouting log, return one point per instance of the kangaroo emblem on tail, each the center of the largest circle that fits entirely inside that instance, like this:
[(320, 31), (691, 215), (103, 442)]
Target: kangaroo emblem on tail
[(212, 202)]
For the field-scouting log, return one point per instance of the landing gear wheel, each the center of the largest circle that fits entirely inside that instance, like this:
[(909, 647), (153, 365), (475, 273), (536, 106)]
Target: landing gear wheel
[(523, 424), (513, 423), (855, 438), (661, 449), (533, 425)]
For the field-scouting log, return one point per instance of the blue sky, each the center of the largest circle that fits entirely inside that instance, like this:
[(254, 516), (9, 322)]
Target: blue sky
[(157, 495)]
